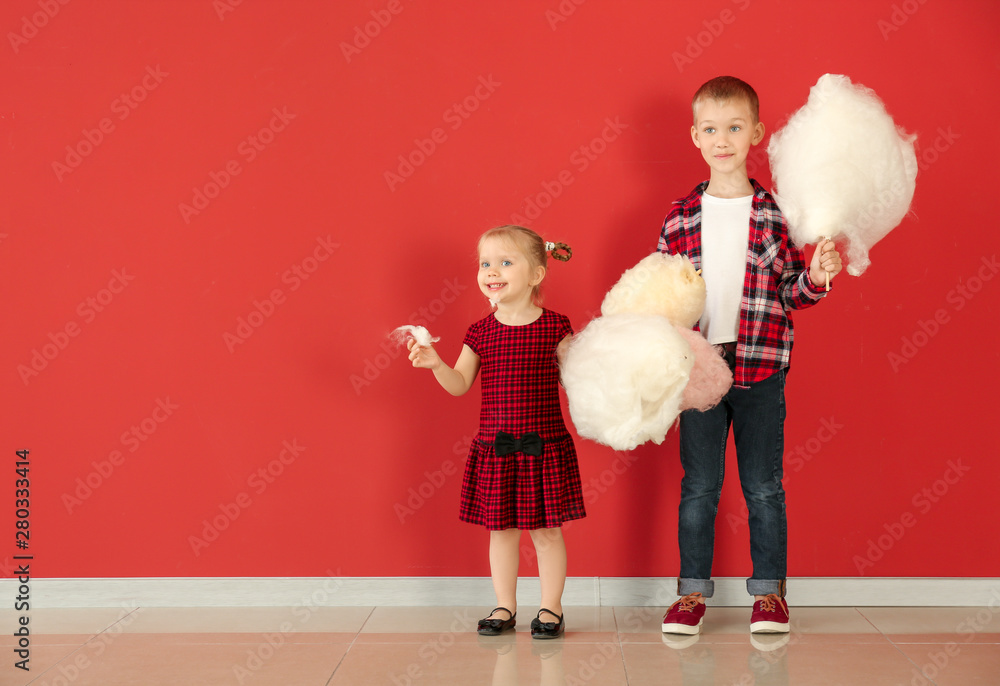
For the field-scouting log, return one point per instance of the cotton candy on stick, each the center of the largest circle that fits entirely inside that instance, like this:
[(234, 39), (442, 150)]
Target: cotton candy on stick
[(841, 166)]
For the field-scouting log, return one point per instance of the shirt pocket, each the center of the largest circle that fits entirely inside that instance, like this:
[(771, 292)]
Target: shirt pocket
[(767, 253)]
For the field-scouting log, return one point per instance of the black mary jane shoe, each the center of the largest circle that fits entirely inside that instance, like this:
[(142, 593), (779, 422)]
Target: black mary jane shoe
[(495, 627), (540, 629)]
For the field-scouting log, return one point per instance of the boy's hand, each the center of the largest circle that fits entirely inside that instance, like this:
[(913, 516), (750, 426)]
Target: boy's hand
[(826, 260), (424, 357)]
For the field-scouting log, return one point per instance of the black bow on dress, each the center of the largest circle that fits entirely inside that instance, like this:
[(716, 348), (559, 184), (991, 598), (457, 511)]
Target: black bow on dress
[(529, 444)]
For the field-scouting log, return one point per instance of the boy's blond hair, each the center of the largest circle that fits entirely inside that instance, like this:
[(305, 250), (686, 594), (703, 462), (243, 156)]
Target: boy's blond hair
[(723, 88)]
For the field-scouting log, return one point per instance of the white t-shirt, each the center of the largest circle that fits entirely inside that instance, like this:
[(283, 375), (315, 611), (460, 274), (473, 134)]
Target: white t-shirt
[(725, 231)]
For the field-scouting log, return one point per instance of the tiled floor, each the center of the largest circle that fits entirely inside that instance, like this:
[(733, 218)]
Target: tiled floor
[(405, 646)]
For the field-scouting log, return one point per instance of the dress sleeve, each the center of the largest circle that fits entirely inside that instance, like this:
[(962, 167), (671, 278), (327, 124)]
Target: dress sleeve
[(472, 337), (565, 328)]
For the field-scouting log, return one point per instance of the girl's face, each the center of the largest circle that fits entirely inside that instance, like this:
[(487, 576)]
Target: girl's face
[(506, 274)]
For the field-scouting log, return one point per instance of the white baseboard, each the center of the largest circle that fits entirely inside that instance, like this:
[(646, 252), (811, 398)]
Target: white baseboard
[(447, 591)]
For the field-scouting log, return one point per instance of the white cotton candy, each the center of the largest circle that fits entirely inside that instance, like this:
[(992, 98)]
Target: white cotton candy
[(625, 376), (660, 284), (629, 373), (841, 166), (418, 333)]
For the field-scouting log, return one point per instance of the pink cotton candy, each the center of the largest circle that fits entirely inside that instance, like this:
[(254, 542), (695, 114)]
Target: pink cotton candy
[(710, 377)]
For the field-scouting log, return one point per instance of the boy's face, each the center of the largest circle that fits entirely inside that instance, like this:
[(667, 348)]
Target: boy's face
[(724, 132)]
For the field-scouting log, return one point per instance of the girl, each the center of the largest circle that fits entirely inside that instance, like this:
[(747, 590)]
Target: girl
[(522, 471)]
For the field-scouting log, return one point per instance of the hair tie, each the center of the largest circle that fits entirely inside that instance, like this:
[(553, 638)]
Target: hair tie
[(559, 251)]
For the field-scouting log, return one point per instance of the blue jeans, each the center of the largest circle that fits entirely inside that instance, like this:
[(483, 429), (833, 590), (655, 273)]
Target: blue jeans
[(757, 415)]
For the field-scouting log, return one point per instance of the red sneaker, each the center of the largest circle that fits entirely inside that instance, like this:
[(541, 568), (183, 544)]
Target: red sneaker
[(770, 616), (685, 616)]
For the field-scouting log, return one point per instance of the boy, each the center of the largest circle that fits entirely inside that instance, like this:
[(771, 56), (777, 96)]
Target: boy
[(731, 228)]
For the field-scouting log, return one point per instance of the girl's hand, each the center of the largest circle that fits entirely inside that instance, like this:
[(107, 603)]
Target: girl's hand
[(424, 357), (563, 348), (826, 260)]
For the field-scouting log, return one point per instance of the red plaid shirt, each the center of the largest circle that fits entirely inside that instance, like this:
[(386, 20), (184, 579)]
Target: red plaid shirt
[(776, 282)]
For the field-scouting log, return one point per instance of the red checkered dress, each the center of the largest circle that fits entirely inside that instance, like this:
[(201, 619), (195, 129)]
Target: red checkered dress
[(520, 384)]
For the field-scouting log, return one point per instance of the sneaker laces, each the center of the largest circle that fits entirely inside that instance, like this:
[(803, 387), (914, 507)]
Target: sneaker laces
[(688, 602), (768, 602)]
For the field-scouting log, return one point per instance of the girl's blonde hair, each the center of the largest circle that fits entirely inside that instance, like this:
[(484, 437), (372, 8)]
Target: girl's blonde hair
[(533, 246)]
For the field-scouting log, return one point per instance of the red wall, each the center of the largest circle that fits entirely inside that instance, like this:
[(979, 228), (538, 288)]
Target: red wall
[(124, 287)]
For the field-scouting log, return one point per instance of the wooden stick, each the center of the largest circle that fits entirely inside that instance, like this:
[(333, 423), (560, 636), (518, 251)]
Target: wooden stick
[(826, 272)]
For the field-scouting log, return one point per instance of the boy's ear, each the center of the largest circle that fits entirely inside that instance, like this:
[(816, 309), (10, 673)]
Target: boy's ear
[(694, 137), (758, 133)]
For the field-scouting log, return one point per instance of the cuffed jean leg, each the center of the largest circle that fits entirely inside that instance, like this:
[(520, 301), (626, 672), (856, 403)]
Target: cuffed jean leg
[(703, 457), (758, 430)]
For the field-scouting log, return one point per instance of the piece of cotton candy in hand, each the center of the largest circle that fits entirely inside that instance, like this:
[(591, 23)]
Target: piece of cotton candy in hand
[(710, 377), (841, 166), (418, 333), (624, 376)]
